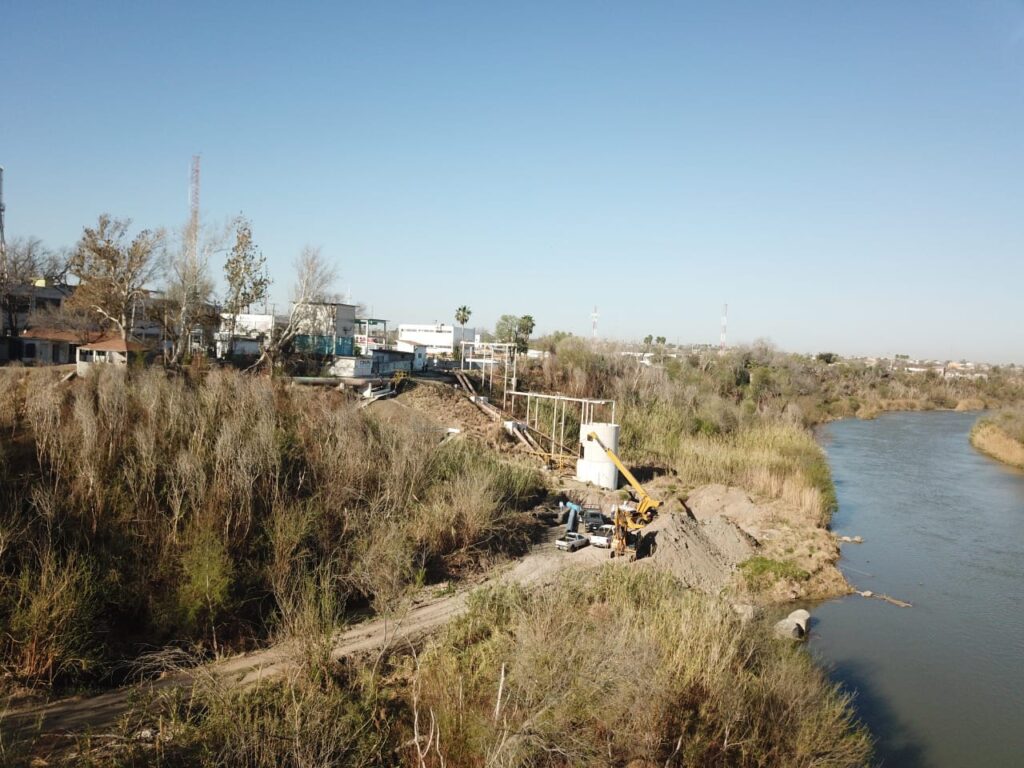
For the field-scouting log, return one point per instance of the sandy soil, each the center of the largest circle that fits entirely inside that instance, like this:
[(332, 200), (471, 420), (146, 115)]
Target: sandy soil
[(784, 533), (701, 554)]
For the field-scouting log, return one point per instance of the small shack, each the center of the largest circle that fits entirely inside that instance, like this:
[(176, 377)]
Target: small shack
[(389, 361), (352, 367), (419, 353), (106, 352)]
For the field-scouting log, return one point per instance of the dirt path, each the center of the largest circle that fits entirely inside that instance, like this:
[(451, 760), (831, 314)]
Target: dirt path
[(100, 713)]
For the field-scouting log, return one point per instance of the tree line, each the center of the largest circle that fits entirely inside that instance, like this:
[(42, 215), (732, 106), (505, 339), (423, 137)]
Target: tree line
[(116, 270)]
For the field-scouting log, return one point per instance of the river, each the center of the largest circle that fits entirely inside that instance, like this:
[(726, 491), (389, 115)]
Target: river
[(942, 683)]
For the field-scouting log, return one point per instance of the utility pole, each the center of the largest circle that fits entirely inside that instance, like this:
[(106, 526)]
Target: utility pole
[(193, 202), (193, 238), (3, 242)]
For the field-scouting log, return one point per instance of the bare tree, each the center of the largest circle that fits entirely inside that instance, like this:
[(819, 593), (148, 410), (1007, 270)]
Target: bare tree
[(245, 274), (27, 260), (314, 283), (79, 322), (188, 289), (113, 271)]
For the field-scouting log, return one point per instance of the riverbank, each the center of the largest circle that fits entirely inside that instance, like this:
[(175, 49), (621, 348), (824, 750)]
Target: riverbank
[(875, 408), (997, 437)]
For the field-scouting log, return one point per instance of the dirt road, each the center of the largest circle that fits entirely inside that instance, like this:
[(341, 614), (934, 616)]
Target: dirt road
[(100, 713)]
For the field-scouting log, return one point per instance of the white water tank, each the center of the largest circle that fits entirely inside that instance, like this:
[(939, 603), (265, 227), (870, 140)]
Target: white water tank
[(595, 466)]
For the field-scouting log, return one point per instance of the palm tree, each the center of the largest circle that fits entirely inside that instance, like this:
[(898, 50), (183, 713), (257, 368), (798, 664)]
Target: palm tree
[(462, 315)]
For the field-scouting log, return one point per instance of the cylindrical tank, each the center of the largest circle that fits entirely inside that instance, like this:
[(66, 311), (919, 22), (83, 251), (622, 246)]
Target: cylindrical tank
[(595, 466)]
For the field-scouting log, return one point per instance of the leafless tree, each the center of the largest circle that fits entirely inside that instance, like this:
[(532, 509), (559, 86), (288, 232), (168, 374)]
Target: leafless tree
[(81, 323), (314, 284), (113, 271), (27, 260), (187, 290)]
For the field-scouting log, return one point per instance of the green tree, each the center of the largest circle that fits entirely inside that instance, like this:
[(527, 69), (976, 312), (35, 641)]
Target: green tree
[(505, 329), (462, 315), (511, 329), (245, 274), (524, 328), (828, 357), (648, 340), (660, 341)]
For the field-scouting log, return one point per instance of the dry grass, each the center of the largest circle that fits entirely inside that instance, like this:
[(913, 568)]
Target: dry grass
[(1001, 436), (626, 668), (141, 510)]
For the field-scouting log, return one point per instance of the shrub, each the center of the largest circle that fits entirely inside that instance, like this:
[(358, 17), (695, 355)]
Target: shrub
[(761, 572), (52, 612)]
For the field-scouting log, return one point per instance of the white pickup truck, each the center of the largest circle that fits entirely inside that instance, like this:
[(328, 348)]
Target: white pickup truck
[(602, 537), (570, 542)]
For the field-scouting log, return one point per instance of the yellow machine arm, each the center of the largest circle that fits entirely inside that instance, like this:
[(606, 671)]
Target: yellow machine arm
[(646, 504)]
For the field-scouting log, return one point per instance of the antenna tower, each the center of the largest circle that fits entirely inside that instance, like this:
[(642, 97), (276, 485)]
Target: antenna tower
[(725, 322), (593, 322), (193, 202)]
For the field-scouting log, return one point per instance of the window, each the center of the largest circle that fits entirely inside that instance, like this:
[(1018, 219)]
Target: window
[(29, 350)]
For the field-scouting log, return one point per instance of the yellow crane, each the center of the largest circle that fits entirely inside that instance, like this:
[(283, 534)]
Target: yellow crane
[(628, 520)]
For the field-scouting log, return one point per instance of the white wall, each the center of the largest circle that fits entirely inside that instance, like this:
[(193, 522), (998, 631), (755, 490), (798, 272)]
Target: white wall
[(247, 324), (327, 319), (352, 367), (438, 338)]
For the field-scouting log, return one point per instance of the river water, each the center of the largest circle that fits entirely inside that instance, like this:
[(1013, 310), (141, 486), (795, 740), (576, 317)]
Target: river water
[(942, 683)]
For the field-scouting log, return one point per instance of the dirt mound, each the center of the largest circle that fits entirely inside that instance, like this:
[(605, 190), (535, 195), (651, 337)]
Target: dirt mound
[(716, 500), (443, 407), (700, 554)]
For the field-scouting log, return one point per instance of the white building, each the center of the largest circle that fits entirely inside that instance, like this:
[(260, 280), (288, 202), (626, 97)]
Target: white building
[(326, 319), (438, 338), (249, 330)]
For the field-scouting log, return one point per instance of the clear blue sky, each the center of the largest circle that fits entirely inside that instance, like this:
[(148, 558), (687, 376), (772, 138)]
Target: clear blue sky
[(847, 175)]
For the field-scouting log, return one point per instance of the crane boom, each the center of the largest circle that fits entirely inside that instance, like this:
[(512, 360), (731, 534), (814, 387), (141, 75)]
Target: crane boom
[(646, 504)]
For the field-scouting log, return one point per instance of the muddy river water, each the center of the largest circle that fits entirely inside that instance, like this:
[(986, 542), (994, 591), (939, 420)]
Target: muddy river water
[(941, 683)]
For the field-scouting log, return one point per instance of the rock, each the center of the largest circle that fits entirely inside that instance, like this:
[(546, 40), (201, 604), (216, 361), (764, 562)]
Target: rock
[(802, 618), (858, 539), (789, 629), (852, 539), (867, 593)]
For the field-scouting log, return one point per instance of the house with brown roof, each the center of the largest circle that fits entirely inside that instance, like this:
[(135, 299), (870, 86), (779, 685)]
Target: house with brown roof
[(48, 346), (109, 351)]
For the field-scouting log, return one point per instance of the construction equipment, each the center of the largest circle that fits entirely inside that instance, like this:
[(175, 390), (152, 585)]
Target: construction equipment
[(646, 505), (627, 519), (573, 516)]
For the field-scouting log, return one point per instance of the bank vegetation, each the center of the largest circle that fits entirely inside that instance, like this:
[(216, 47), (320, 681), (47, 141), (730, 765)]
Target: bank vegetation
[(1001, 436)]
